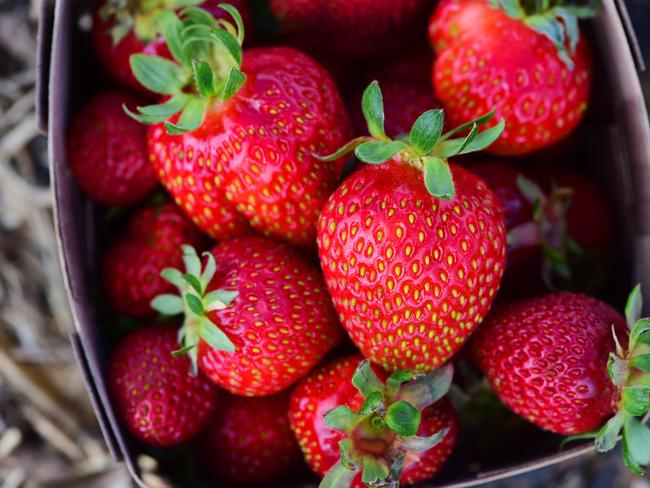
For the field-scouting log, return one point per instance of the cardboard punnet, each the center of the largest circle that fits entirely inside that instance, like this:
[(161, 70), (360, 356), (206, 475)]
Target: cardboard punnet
[(622, 130)]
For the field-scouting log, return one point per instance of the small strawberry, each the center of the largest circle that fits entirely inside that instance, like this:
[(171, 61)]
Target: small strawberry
[(558, 361), (122, 28), (241, 150), (107, 152), (161, 405), (412, 265), (530, 63), (249, 442), (257, 316), (358, 428), (132, 265), (358, 28)]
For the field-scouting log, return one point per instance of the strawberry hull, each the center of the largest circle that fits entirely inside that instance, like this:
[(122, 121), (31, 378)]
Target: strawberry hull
[(614, 142)]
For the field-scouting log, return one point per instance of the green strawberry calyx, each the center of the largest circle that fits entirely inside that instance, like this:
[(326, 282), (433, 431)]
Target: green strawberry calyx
[(629, 370), (206, 68), (138, 16), (425, 148), (384, 429), (554, 19), (195, 302)]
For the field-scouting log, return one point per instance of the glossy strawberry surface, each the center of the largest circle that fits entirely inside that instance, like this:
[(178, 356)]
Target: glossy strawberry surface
[(132, 265), (546, 359), (252, 160), (411, 276), (487, 60), (282, 322), (107, 151), (114, 57), (249, 441), (330, 386), (160, 403)]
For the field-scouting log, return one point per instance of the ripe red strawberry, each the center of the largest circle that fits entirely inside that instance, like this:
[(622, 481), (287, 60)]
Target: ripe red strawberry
[(556, 360), (107, 151), (121, 29), (242, 150), (249, 441), (498, 55), (159, 402), (352, 27), (344, 415), (132, 265), (257, 317), (412, 265)]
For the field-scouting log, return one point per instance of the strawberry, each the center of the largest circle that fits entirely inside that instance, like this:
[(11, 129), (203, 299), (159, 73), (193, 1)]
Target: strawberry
[(249, 442), (530, 63), (412, 265), (242, 149), (132, 265), (352, 27), (257, 316), (161, 405), (558, 361), (559, 222), (356, 427), (122, 28), (107, 152)]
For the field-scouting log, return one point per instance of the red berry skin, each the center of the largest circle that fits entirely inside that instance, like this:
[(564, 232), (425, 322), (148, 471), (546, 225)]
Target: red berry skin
[(487, 60), (282, 322), (546, 359), (107, 151), (411, 276), (352, 28), (115, 57), (252, 160), (160, 403), (330, 386), (249, 442), (132, 265)]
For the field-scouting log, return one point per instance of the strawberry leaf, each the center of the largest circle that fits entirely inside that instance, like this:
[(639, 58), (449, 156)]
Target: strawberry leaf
[(378, 152), (158, 74), (372, 105), (437, 178), (426, 131)]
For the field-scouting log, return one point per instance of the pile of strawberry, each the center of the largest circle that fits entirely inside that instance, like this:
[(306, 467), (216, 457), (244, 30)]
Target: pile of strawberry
[(289, 221)]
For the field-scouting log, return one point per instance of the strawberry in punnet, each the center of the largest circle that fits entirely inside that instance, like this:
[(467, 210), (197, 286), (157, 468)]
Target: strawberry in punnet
[(122, 28), (107, 151), (241, 150), (249, 441), (132, 265), (525, 59), (353, 27), (357, 427), (559, 222), (160, 403), (257, 314), (559, 361), (412, 261)]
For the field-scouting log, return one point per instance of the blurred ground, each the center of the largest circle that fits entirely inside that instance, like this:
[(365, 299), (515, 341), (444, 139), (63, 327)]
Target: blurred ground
[(48, 436)]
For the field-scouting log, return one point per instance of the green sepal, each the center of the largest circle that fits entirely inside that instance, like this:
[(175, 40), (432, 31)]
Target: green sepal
[(530, 190), (365, 380), (235, 79), (374, 402), (617, 369), (374, 471), (426, 131), (219, 299), (636, 399), (199, 16), (372, 105), (396, 469), (421, 444), (438, 179), (641, 362), (607, 436), (194, 282), (395, 381), (578, 437), (343, 150), (167, 304), (640, 333), (468, 125), (346, 446), (338, 476), (636, 435), (403, 418), (174, 276), (378, 152), (342, 418), (191, 260), (204, 78), (634, 306), (214, 336), (511, 7), (230, 44), (152, 114), (428, 388), (629, 460), (171, 27), (553, 30), (158, 74), (454, 147), (194, 304), (191, 118), (239, 23)]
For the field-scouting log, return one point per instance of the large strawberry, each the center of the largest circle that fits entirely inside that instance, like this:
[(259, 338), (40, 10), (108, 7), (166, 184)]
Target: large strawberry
[(352, 27), (132, 265), (558, 361), (412, 262), (529, 62), (122, 28), (257, 316), (356, 427), (242, 149), (249, 441), (107, 151), (160, 403)]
